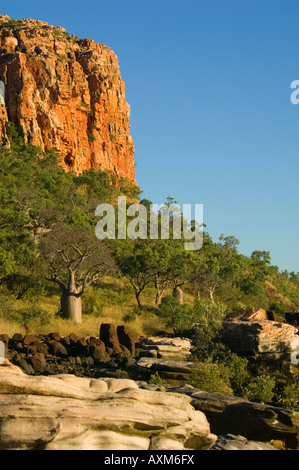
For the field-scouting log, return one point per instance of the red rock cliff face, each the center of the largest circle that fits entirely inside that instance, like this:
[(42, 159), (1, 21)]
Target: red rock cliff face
[(66, 94)]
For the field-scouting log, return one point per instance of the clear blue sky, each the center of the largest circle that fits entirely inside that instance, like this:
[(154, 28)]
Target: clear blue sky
[(209, 87)]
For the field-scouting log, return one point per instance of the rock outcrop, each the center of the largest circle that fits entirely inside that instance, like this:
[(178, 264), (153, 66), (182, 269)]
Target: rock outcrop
[(114, 349), (70, 413), (254, 421), (65, 94), (163, 347), (53, 354)]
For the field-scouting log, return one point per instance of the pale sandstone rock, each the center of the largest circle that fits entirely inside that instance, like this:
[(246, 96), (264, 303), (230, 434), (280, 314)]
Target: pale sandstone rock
[(260, 337), (254, 314), (163, 341), (163, 443), (62, 412), (106, 440)]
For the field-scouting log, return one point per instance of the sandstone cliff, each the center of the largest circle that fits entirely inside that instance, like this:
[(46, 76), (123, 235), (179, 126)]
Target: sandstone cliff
[(67, 94)]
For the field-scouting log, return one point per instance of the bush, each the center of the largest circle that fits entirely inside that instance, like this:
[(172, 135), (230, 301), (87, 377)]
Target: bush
[(210, 378), (177, 316), (261, 389), (290, 397), (132, 316), (238, 372), (156, 379), (26, 315), (207, 331), (93, 304), (278, 308)]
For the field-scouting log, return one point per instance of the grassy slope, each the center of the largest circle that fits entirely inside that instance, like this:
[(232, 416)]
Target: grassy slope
[(109, 302)]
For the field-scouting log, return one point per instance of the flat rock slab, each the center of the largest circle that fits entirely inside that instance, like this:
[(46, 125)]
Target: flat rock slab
[(164, 341), (231, 442), (165, 365)]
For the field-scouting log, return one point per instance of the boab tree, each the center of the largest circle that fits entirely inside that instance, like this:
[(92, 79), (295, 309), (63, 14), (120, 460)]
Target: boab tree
[(76, 260)]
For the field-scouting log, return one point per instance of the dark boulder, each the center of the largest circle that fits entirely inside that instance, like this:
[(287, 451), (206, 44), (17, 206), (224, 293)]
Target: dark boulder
[(29, 339), (4, 339), (57, 349), (108, 335), (38, 362), (17, 338), (41, 348), (98, 352), (292, 318), (54, 337), (23, 364), (127, 338)]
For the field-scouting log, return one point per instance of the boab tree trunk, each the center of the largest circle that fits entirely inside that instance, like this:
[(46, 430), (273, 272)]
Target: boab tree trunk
[(76, 260), (177, 293), (71, 306)]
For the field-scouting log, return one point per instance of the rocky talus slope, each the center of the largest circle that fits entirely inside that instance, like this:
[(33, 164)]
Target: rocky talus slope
[(65, 94)]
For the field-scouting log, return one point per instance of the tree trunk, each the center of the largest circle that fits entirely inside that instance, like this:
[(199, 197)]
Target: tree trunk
[(71, 307), (177, 293), (159, 297), (211, 292), (137, 295)]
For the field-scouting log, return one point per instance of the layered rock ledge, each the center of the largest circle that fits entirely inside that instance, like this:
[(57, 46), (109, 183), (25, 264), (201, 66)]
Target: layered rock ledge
[(263, 337), (70, 413)]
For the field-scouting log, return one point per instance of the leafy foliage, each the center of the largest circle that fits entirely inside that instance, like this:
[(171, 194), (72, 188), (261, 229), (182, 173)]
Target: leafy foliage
[(47, 222), (210, 378)]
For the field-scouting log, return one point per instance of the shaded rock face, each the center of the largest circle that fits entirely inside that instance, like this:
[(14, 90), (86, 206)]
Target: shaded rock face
[(261, 337), (231, 442), (70, 413), (253, 421), (66, 94), (292, 318)]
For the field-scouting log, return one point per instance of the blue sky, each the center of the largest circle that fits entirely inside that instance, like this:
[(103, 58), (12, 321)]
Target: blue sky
[(208, 83)]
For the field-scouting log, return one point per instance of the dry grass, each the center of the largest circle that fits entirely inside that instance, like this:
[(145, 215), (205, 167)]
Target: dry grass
[(145, 324), (110, 302)]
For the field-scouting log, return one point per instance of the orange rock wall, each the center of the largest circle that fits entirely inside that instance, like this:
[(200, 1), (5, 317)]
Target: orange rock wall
[(66, 94)]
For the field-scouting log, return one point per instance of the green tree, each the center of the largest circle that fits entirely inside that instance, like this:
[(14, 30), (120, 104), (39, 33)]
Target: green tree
[(212, 378), (76, 260), (207, 331), (261, 389), (134, 258)]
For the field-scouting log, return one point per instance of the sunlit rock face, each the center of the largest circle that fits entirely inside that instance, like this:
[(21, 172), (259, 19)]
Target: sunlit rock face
[(65, 94)]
